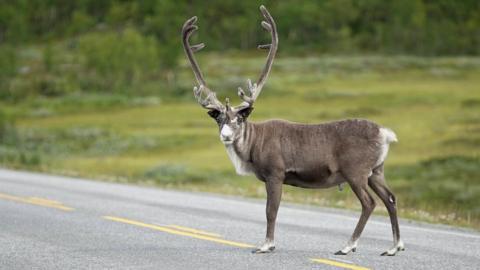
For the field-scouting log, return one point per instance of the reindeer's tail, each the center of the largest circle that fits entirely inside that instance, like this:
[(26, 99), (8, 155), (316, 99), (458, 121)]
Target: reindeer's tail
[(388, 136)]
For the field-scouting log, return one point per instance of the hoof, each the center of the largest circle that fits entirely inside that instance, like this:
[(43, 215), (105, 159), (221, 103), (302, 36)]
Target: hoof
[(386, 253), (260, 250), (393, 251), (340, 252)]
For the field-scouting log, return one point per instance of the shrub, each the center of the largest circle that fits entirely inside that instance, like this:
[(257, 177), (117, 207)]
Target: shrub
[(179, 174), (7, 130), (117, 61), (445, 181), (8, 67)]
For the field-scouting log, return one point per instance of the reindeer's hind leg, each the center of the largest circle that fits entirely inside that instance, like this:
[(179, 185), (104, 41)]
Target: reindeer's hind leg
[(377, 182), (359, 187)]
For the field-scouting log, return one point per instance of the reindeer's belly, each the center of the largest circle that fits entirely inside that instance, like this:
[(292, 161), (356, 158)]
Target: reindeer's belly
[(319, 178)]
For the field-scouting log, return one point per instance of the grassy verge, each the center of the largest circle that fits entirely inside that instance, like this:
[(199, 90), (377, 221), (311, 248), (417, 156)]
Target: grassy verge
[(433, 104)]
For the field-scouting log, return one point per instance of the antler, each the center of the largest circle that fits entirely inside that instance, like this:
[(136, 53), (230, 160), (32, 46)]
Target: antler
[(256, 88), (210, 101)]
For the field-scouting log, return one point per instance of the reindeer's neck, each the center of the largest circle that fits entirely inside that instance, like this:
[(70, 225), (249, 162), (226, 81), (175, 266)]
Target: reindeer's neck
[(240, 151), (245, 143)]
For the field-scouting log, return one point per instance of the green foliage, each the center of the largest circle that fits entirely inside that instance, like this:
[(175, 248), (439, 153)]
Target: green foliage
[(8, 65), (178, 175), (442, 181), (400, 26), (81, 22), (164, 22), (11, 150), (48, 58), (117, 61), (19, 159), (14, 25), (167, 173), (7, 131)]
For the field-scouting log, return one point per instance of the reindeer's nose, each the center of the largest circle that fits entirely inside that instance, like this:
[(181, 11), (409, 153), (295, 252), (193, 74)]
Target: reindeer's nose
[(226, 134)]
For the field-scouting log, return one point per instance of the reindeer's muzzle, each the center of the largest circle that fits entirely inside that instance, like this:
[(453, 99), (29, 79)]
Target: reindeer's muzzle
[(226, 134)]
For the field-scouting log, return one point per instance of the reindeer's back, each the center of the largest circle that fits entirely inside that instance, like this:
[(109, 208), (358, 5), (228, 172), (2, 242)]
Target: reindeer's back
[(331, 144), (335, 131)]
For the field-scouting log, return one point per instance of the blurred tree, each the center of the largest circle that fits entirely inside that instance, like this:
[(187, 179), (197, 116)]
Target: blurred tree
[(81, 22), (164, 23), (397, 26), (8, 66), (13, 24), (117, 60), (122, 13)]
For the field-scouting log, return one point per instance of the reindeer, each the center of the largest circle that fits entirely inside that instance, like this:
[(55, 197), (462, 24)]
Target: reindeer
[(279, 152)]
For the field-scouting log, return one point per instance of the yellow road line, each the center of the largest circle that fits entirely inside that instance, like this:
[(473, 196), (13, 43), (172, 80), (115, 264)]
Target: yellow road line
[(340, 264), (190, 233), (172, 231), (186, 229), (46, 201), (34, 201)]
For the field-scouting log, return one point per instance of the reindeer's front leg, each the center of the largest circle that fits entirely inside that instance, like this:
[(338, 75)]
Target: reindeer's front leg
[(274, 195)]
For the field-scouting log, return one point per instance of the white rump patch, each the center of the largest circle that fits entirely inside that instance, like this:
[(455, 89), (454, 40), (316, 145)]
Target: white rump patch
[(387, 136)]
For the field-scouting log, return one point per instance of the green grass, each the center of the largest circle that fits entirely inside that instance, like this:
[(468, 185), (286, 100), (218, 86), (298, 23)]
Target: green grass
[(433, 104)]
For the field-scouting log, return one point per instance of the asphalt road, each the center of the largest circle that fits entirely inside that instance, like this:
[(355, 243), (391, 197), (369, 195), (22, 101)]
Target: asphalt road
[(51, 222)]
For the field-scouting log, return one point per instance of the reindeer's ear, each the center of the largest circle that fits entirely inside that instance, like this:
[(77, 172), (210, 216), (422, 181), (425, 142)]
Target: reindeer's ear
[(244, 113), (214, 113)]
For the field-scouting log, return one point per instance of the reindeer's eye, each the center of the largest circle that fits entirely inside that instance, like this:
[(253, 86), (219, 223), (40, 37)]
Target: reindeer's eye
[(220, 119)]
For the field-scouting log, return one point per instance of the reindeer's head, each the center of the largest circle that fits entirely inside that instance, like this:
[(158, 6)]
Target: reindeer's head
[(230, 120)]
